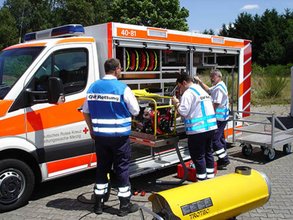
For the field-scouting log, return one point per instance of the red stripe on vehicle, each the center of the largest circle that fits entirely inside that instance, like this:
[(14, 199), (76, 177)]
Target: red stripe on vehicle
[(109, 33), (68, 163)]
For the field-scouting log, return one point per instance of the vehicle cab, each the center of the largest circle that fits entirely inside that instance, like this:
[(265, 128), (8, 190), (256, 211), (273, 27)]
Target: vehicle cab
[(43, 83)]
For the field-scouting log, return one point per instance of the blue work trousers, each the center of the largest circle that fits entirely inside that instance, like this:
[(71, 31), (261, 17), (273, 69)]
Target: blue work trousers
[(219, 141), (201, 152), (114, 151)]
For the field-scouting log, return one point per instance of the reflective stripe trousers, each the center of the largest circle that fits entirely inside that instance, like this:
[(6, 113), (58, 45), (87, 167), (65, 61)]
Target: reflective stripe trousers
[(114, 151), (219, 142), (201, 153)]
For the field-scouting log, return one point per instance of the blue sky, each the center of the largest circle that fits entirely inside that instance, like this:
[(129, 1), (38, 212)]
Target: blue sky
[(212, 14)]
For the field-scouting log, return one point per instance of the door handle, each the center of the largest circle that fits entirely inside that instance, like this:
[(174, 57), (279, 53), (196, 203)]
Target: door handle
[(79, 109)]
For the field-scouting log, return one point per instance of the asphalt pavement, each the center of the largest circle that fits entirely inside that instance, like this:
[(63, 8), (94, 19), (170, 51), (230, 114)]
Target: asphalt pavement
[(71, 197)]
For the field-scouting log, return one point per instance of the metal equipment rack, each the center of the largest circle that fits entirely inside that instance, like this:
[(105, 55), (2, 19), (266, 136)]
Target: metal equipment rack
[(262, 129)]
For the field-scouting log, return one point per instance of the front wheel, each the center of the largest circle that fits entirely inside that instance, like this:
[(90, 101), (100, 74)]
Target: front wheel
[(246, 149), (16, 184)]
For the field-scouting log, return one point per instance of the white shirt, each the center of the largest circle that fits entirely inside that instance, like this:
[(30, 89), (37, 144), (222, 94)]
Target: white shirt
[(129, 99), (190, 106), (219, 94)]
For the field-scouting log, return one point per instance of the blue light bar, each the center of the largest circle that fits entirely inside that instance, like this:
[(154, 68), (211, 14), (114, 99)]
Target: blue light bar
[(62, 31), (67, 30), (30, 36)]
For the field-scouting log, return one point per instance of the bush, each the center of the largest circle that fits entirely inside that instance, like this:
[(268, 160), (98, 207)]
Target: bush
[(273, 86), (279, 70)]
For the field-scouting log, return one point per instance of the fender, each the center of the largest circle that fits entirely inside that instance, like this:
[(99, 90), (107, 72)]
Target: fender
[(19, 143), (16, 142)]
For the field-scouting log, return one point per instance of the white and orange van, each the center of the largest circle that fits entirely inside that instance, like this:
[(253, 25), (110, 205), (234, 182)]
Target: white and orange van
[(43, 83)]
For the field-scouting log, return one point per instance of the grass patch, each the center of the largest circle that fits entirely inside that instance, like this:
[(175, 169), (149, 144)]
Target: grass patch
[(267, 89)]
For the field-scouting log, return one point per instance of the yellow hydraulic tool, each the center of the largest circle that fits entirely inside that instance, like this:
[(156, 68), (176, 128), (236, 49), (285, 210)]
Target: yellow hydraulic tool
[(223, 197)]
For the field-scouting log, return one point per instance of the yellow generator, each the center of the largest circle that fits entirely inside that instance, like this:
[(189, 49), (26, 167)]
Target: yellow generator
[(223, 197)]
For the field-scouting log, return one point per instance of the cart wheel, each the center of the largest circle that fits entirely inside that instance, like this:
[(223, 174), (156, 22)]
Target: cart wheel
[(263, 148), (287, 149), (246, 149), (270, 154)]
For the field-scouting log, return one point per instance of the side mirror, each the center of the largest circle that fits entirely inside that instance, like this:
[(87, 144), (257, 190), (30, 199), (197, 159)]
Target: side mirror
[(56, 93)]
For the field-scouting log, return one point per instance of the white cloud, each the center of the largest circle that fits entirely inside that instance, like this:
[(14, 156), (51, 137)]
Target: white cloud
[(249, 7)]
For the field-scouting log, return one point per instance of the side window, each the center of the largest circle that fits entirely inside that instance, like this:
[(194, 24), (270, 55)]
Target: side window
[(71, 66)]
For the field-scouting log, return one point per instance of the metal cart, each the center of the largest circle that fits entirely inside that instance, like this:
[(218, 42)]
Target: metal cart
[(264, 130)]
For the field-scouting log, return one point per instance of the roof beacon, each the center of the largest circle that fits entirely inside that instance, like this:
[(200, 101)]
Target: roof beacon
[(62, 31)]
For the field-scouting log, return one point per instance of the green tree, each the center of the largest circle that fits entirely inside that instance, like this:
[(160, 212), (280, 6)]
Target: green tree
[(75, 11), (288, 36), (210, 32), (156, 13), (21, 10), (271, 35), (102, 11), (8, 30), (272, 52)]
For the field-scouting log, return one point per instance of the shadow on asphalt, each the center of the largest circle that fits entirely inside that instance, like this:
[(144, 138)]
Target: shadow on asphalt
[(85, 200), (64, 184), (145, 183)]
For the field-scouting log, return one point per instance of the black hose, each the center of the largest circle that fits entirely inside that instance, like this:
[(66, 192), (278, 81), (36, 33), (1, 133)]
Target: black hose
[(185, 170)]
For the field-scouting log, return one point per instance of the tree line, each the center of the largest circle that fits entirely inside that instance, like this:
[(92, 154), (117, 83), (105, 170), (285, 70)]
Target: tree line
[(271, 33)]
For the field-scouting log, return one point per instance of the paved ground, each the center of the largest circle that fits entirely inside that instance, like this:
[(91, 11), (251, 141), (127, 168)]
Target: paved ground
[(70, 197)]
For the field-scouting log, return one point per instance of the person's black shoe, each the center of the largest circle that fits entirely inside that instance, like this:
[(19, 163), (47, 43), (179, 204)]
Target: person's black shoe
[(126, 206), (222, 164), (98, 207), (125, 209)]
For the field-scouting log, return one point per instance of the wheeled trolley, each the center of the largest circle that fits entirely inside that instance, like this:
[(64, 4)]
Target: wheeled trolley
[(265, 130)]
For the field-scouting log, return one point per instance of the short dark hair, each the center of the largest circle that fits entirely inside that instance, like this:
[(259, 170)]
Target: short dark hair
[(183, 77), (111, 64)]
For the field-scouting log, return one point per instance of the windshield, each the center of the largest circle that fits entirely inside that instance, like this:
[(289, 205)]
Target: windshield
[(13, 63)]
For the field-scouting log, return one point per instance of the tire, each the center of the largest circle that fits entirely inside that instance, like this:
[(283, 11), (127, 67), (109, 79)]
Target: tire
[(287, 149), (270, 154), (17, 183), (246, 149)]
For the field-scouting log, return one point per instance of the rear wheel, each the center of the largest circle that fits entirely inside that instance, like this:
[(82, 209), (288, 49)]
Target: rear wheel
[(16, 184), (270, 154), (287, 149)]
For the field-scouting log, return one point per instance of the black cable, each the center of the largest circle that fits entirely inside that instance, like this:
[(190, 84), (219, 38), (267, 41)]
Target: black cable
[(185, 171)]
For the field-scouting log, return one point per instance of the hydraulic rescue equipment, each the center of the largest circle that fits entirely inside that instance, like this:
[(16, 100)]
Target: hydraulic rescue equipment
[(223, 197), (156, 118)]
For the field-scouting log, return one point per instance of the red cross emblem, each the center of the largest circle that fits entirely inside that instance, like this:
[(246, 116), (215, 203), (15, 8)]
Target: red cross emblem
[(85, 130)]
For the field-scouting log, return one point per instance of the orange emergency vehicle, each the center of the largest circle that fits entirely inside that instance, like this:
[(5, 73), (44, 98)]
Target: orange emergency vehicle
[(43, 84)]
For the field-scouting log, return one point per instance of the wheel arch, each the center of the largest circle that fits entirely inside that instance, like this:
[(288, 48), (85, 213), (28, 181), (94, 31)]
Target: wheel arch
[(26, 157)]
